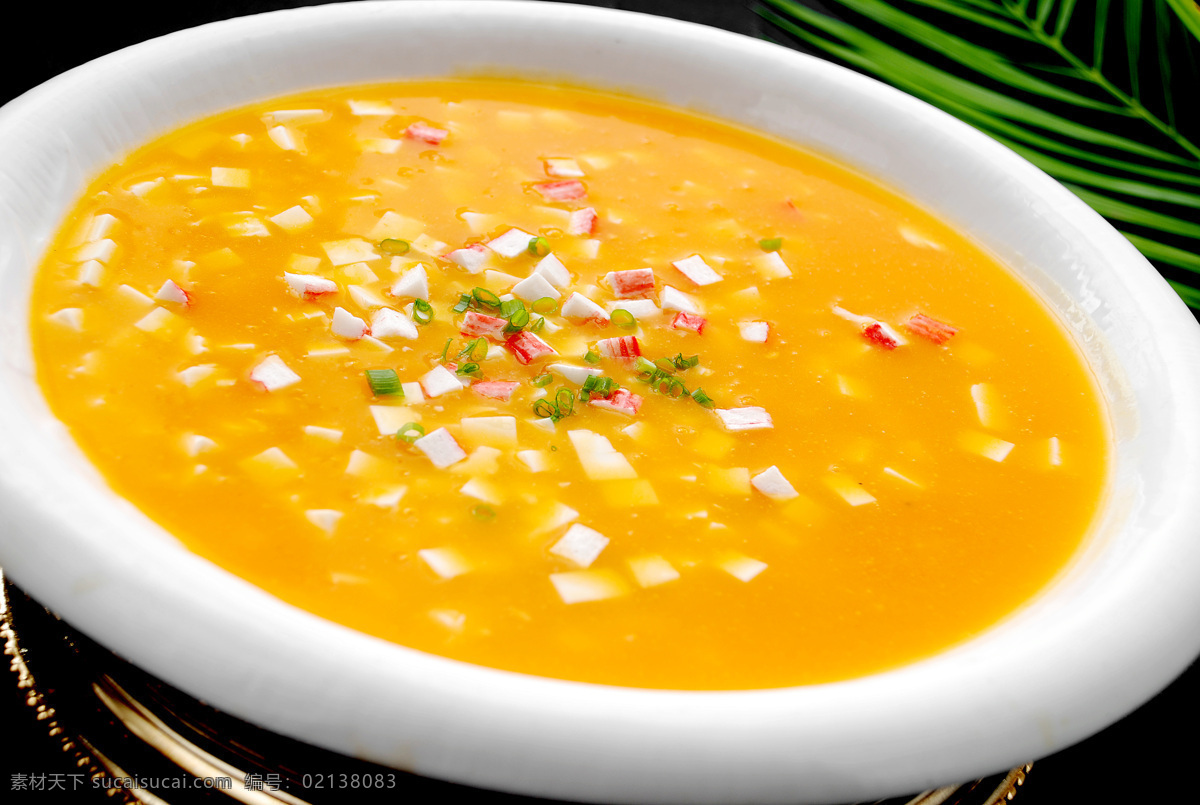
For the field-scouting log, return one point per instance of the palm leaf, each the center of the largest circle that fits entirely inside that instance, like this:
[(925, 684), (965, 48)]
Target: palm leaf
[(1102, 95)]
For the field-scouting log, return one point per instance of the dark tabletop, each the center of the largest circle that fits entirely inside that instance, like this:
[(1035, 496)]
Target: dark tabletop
[(1146, 757)]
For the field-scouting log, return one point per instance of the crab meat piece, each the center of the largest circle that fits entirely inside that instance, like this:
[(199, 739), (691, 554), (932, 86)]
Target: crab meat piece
[(413, 284), (388, 323), (568, 190), (624, 347), (698, 271), (309, 286), (936, 331), (170, 292), (562, 166), (272, 374), (426, 133), (633, 283), (582, 222), (535, 287), (689, 321), (495, 389), (879, 337), (622, 401), (580, 307), (740, 419), (528, 347), (477, 324), (441, 448), (755, 332), (511, 243), (438, 381), (877, 332), (581, 545), (473, 258), (772, 484), (347, 325)]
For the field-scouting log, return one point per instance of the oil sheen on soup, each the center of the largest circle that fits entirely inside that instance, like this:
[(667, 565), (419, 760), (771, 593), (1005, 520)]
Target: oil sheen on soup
[(570, 384)]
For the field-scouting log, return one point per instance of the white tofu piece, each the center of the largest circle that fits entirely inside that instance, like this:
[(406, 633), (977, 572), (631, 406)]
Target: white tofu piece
[(365, 298), (413, 284), (347, 325), (91, 273), (371, 108), (675, 299), (576, 374), (743, 568), (579, 586), (581, 545), (554, 272), (849, 490), (350, 250), (439, 381), (230, 177), (642, 309), (413, 393), (754, 331), (170, 292), (158, 319), (391, 418), (293, 219), (743, 419), (483, 491), (446, 562), (985, 445), (70, 317), (535, 460), (535, 287), (511, 243), (194, 374), (651, 571), (194, 444), (324, 519), (772, 266), (471, 259), (389, 323), (272, 374), (493, 431), (441, 448), (772, 484), (328, 434), (696, 270)]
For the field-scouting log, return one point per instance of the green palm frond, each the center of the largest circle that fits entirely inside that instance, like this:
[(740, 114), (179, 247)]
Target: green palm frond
[(1103, 95)]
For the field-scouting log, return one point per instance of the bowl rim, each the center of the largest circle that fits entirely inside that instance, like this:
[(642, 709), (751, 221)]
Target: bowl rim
[(993, 702)]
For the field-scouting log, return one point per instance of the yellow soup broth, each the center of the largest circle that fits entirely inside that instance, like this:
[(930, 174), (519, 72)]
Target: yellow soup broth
[(822, 434)]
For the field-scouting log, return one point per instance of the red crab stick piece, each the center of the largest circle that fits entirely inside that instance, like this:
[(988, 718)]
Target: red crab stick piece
[(309, 286), (689, 321), (569, 190), (495, 389), (633, 283), (582, 222), (624, 347), (528, 347), (622, 401), (426, 133), (936, 331), (476, 324)]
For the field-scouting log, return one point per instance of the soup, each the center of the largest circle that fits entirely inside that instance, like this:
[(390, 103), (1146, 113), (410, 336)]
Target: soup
[(569, 384)]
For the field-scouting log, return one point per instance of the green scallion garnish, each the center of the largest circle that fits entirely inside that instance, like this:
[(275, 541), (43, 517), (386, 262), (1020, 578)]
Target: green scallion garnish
[(542, 380), (383, 382), (410, 432), (771, 244), (623, 318), (469, 370), (705, 401), (517, 321), (463, 304), (666, 364), (486, 298), (510, 306), (564, 401), (546, 305), (483, 513), (422, 311), (446, 348), (545, 409), (475, 350), (685, 363), (537, 326), (592, 357), (394, 246), (539, 246)]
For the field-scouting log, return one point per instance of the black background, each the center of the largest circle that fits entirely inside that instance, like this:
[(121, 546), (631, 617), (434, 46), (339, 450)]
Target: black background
[(1149, 756)]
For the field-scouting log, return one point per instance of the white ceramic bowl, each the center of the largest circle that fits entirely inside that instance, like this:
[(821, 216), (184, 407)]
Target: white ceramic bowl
[(1115, 628)]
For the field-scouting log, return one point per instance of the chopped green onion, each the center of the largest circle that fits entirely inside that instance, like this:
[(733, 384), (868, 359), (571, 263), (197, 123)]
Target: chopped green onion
[(623, 318), (545, 305), (599, 385), (544, 409), (564, 401), (469, 369), (394, 246), (510, 306), (670, 387), (542, 380), (383, 382), (705, 401), (666, 364), (644, 367), (483, 513), (592, 357), (517, 321), (410, 432), (475, 350), (685, 363), (486, 298), (539, 246), (771, 244), (537, 326), (463, 304), (446, 348), (422, 311)]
